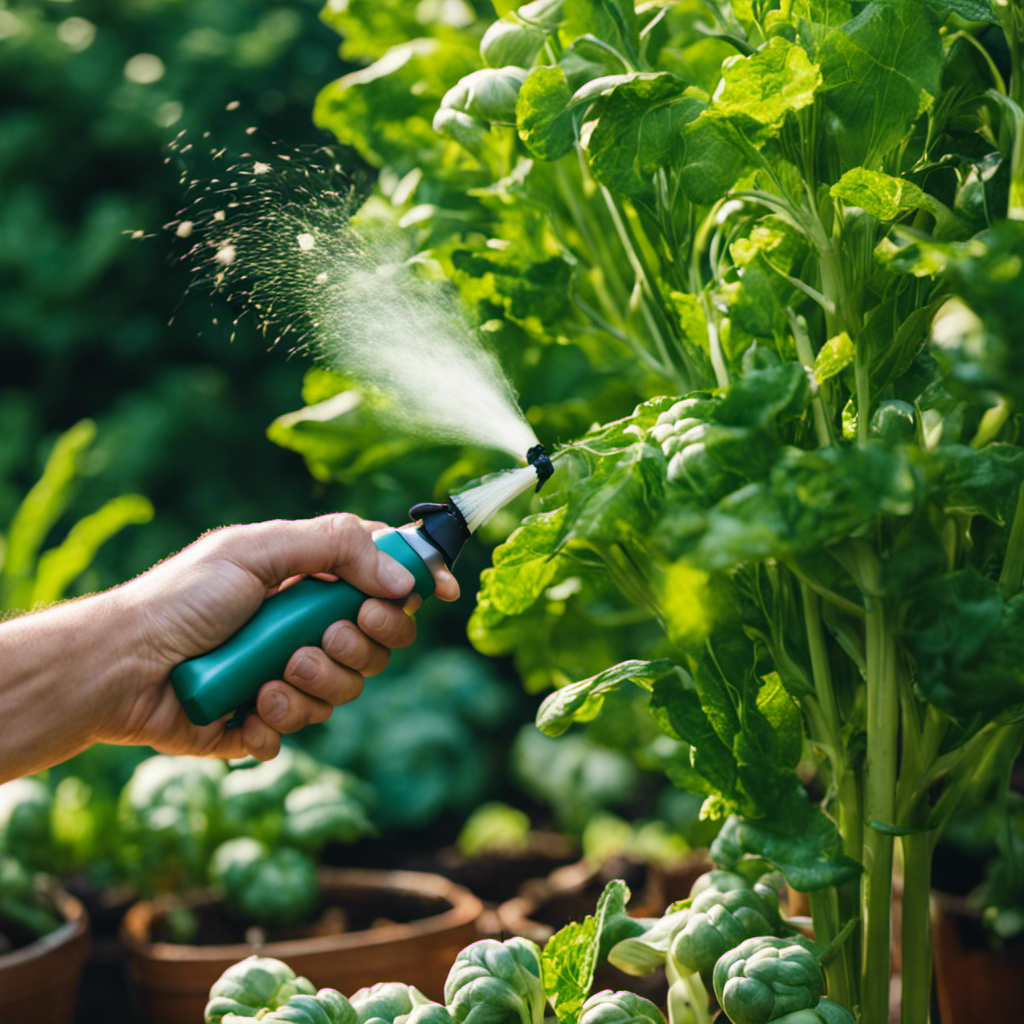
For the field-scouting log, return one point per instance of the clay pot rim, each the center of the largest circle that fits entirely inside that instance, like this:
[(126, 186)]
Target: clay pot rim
[(75, 926), (465, 909)]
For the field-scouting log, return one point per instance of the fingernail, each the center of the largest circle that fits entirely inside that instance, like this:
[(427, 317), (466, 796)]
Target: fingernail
[(275, 706), (257, 742), (412, 603), (396, 577), (304, 669)]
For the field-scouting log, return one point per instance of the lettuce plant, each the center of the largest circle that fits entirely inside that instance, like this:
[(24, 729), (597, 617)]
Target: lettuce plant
[(791, 229)]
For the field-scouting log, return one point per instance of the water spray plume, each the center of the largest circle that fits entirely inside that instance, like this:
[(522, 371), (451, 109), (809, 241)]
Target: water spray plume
[(281, 239)]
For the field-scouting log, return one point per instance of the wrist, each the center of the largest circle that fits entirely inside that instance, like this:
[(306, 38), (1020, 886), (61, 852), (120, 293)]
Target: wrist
[(60, 671)]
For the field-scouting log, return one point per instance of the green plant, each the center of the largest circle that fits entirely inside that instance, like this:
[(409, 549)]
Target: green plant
[(254, 984), (273, 887), (31, 576), (793, 227), (255, 831)]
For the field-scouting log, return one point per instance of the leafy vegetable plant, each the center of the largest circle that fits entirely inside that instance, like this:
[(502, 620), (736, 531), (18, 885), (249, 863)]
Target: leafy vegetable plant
[(792, 228)]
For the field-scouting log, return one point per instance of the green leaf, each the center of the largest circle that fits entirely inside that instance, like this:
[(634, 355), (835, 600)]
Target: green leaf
[(968, 646), (710, 766), (775, 80), (386, 111), (612, 21), (58, 567), (833, 357), (969, 10), (570, 956), (638, 130), (880, 73), (44, 504), (812, 498), (803, 844), (580, 702), (879, 194), (750, 107), (978, 482), (523, 566), (543, 118)]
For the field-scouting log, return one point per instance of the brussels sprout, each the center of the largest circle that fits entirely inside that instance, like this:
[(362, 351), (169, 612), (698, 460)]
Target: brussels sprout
[(168, 813), (489, 94), (326, 1007), (609, 1007), (428, 1013), (717, 922), (387, 1001), (252, 795), (764, 978), (272, 888), (25, 830), (642, 954), (511, 42), (719, 880), (495, 982), (321, 811), (254, 984), (826, 1012)]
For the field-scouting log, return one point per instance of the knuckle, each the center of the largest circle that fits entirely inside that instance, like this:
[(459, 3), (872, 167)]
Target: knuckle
[(340, 641)]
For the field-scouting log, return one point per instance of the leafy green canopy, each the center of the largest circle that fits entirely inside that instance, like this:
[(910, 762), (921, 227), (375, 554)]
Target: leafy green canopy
[(790, 232)]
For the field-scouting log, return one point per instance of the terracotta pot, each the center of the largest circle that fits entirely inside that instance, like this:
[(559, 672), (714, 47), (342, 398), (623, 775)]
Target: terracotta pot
[(497, 875), (170, 982), (673, 881), (38, 982), (974, 982), (570, 893)]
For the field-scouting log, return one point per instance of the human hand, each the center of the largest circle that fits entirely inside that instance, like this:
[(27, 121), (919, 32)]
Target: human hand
[(194, 601)]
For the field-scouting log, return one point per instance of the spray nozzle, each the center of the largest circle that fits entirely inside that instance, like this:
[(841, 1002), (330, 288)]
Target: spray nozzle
[(541, 462), (444, 526)]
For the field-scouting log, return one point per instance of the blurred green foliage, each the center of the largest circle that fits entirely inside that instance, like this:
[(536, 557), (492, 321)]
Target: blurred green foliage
[(93, 93)]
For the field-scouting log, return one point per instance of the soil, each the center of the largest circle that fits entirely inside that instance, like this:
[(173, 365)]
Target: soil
[(218, 927), (13, 936)]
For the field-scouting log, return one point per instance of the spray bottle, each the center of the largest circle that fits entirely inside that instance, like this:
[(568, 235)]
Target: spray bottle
[(227, 678)]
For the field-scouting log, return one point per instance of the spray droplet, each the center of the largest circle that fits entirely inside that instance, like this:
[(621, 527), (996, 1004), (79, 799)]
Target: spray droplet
[(233, 105), (321, 278), (260, 167), (219, 215), (225, 255), (184, 229), (306, 241)]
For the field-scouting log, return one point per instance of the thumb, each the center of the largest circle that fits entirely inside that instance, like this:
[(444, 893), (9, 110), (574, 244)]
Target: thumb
[(340, 543)]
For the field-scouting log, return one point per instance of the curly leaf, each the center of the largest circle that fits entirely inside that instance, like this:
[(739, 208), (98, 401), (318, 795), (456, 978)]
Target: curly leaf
[(808, 852), (579, 702)]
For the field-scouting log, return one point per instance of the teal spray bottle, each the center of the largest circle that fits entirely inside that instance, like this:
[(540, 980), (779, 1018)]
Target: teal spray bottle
[(227, 679)]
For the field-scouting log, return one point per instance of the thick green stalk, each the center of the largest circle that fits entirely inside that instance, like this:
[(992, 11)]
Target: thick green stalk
[(1013, 562), (916, 937), (879, 796)]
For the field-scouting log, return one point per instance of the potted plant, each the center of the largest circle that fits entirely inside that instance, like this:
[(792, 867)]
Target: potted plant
[(44, 931), (794, 230), (233, 856)]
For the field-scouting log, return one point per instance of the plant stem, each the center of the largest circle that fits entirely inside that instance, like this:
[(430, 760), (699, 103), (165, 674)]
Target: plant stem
[(915, 940), (825, 915), (805, 352), (879, 795), (1013, 562)]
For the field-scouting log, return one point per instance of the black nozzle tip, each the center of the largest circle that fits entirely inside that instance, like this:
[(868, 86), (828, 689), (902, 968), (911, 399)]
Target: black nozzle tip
[(444, 526), (541, 462)]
